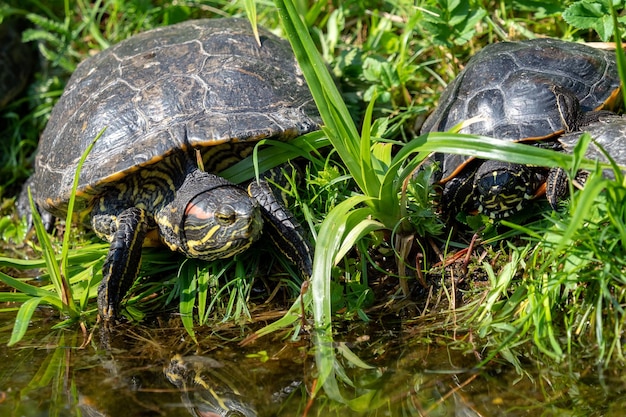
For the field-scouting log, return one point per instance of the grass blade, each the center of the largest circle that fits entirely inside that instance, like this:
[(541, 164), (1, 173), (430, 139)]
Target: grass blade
[(24, 287), (330, 240), (66, 294), (187, 296), (339, 126), (22, 320), (250, 6), (291, 316), (46, 248)]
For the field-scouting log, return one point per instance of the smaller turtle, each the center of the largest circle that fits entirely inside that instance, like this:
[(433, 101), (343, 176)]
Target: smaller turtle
[(529, 91)]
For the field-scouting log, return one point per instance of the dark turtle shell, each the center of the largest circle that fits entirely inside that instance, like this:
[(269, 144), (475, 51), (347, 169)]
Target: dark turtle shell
[(507, 91), (170, 91)]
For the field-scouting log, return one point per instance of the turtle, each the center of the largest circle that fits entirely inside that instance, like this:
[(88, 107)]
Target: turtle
[(608, 134), (17, 60), (525, 91), (169, 109)]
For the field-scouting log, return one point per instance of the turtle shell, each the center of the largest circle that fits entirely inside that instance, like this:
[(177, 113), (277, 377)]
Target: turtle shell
[(507, 91), (608, 134), (166, 93)]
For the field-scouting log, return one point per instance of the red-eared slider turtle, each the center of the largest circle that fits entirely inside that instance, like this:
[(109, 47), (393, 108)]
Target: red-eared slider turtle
[(517, 91), (161, 97), (16, 61)]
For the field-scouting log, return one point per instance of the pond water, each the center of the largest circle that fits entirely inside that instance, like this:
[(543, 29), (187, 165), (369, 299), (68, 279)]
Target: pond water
[(159, 371)]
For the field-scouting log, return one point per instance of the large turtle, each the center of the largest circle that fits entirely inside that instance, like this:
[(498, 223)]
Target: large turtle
[(526, 91), (159, 98)]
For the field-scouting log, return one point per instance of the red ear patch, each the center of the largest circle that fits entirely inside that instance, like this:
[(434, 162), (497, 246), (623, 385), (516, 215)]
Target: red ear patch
[(197, 212)]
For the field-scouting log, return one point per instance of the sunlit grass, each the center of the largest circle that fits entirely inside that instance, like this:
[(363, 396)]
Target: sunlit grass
[(573, 270), (556, 284)]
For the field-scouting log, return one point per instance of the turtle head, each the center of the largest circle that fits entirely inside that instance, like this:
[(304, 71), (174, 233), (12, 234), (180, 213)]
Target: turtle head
[(504, 188), (210, 218)]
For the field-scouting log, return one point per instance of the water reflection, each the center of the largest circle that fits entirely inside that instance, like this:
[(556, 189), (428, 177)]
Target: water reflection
[(159, 372), (208, 388)]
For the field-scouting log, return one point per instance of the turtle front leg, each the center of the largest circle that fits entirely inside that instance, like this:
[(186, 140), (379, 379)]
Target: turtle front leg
[(284, 230), (127, 233), (557, 185)]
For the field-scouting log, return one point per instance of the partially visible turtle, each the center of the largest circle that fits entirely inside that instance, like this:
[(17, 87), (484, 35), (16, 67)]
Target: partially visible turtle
[(16, 61), (528, 91), (608, 135), (161, 97)]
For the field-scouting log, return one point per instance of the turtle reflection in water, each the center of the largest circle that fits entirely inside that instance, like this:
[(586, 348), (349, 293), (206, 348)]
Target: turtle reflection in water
[(159, 99), (206, 389)]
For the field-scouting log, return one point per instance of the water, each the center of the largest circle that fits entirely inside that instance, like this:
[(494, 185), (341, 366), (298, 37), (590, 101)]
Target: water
[(159, 371)]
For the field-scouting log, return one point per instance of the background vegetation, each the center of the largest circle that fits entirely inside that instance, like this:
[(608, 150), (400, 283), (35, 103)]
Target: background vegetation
[(549, 283)]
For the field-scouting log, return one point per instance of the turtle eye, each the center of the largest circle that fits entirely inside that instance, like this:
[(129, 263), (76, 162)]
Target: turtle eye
[(225, 215)]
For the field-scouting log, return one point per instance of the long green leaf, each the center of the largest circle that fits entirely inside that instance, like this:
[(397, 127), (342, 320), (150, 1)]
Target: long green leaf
[(52, 265), (22, 320), (368, 173), (291, 316), (585, 201), (355, 233), (63, 284), (339, 127), (329, 242), (23, 287), (85, 254), (250, 6), (188, 287), (491, 148), (274, 155), (619, 49)]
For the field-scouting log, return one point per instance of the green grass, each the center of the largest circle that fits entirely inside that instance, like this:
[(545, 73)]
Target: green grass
[(555, 283)]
